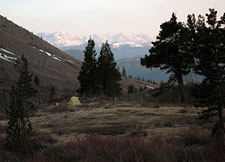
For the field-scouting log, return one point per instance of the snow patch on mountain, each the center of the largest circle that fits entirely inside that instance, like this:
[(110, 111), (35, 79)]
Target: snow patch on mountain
[(4, 55), (49, 54), (7, 58), (6, 51)]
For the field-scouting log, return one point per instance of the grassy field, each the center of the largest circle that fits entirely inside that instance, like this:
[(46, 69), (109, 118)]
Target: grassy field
[(65, 127)]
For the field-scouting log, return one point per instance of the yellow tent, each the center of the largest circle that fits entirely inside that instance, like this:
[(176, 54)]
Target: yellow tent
[(74, 101)]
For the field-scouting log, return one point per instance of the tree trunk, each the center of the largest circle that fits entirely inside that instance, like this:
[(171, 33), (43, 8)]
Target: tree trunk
[(183, 94)]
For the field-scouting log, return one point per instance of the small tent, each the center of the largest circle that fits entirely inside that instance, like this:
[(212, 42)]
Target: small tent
[(74, 101)]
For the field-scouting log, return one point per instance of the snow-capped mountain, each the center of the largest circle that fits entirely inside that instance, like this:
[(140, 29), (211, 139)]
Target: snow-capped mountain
[(61, 39)]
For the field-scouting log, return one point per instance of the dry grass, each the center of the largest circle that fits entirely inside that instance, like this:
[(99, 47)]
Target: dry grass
[(140, 133), (95, 148), (121, 119)]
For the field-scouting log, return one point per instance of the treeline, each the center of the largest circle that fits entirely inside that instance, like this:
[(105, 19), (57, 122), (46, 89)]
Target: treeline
[(197, 46)]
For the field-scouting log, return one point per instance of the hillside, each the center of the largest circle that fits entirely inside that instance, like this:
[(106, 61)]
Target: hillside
[(53, 67)]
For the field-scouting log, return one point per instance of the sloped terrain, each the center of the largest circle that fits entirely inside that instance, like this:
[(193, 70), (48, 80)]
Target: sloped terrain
[(53, 67)]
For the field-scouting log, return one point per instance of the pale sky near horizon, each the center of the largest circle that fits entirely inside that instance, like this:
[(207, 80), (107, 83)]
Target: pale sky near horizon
[(84, 17)]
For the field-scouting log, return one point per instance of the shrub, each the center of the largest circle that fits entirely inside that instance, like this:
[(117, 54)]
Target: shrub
[(131, 88)]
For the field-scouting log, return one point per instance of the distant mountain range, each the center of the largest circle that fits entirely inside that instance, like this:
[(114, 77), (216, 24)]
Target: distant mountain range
[(62, 39), (122, 45)]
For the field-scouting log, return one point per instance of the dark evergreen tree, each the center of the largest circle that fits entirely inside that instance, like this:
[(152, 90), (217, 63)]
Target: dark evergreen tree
[(141, 89), (209, 50), (37, 83), (138, 78), (124, 72), (108, 74), (130, 76), (36, 80), (89, 83), (130, 88), (19, 130), (169, 52), (52, 92)]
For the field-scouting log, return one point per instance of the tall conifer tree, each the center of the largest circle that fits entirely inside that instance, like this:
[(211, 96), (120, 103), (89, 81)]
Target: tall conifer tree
[(108, 74), (124, 74), (169, 52), (89, 83), (19, 130), (209, 50)]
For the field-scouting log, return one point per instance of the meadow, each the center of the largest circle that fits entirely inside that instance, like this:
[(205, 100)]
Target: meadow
[(125, 131)]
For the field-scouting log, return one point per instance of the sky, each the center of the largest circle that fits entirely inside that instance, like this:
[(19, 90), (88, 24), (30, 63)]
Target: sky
[(85, 17)]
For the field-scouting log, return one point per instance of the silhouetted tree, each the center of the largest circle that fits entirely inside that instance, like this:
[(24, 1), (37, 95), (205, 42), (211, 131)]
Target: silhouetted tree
[(169, 52), (52, 92), (108, 74), (89, 83), (36, 80), (19, 129), (130, 76), (209, 50), (141, 89), (124, 72), (130, 88)]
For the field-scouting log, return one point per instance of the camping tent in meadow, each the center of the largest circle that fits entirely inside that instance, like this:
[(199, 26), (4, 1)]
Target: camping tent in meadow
[(74, 101)]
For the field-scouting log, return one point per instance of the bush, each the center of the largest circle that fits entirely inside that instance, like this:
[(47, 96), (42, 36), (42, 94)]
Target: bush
[(129, 149), (131, 88), (141, 89)]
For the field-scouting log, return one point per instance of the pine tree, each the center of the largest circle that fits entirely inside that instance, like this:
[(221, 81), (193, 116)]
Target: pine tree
[(209, 50), (124, 72), (19, 129), (36, 80), (169, 52), (108, 74), (52, 92), (89, 83), (130, 88)]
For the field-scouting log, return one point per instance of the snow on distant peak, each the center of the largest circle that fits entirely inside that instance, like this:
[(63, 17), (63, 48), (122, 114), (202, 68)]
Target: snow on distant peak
[(62, 39), (132, 44)]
